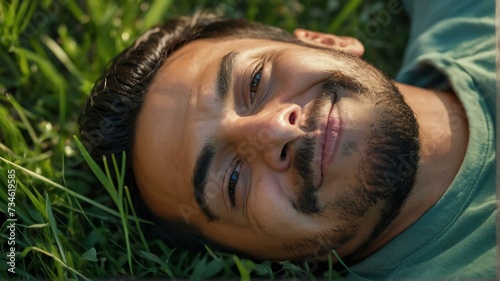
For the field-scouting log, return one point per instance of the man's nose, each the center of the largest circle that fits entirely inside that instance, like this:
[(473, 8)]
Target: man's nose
[(269, 135)]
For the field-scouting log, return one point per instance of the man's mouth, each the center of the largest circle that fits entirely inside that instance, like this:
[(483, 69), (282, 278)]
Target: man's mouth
[(331, 135)]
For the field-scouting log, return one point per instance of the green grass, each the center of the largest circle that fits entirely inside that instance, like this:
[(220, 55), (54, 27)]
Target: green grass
[(72, 221)]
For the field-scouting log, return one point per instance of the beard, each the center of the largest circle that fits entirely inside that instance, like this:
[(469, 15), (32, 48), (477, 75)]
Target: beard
[(386, 173)]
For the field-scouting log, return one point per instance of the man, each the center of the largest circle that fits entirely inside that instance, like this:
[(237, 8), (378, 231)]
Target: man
[(243, 137)]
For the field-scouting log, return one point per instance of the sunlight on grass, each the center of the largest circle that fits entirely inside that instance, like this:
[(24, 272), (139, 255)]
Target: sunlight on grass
[(75, 219)]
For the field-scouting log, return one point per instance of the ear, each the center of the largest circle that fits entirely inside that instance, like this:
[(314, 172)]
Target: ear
[(347, 44)]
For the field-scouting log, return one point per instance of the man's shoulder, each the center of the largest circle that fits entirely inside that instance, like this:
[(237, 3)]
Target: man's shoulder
[(452, 47)]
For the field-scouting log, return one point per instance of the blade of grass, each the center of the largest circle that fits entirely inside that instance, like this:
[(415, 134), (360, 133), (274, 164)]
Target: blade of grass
[(37, 202), (11, 14), (53, 226), (120, 177), (139, 228), (107, 182), (37, 225), (24, 119), (156, 11), (343, 15), (345, 266), (54, 184), (34, 248), (9, 128), (85, 214), (120, 205), (20, 16), (48, 69), (62, 103), (61, 55), (11, 66), (25, 19), (108, 185), (244, 273)]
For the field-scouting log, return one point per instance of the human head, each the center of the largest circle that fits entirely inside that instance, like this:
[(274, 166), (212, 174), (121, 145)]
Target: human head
[(107, 123), (122, 114)]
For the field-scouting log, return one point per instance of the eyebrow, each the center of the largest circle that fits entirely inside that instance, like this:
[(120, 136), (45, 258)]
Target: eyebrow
[(224, 76), (200, 178)]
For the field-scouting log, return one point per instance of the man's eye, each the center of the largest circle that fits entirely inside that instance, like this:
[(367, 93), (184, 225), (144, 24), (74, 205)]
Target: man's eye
[(254, 85), (233, 180)]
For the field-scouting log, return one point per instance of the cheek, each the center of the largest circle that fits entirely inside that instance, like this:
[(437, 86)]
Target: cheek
[(269, 206), (271, 210)]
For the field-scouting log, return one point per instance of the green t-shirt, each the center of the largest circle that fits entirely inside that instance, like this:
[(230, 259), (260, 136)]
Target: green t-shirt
[(451, 47)]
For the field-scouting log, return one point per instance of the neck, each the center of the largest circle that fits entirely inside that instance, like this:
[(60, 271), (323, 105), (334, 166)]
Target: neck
[(443, 135)]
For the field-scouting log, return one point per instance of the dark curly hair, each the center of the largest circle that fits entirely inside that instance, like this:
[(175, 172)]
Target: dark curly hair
[(107, 123)]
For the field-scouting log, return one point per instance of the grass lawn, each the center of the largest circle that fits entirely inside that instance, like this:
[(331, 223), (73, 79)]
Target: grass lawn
[(74, 223)]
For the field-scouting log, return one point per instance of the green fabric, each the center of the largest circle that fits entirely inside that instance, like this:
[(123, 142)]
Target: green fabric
[(451, 47)]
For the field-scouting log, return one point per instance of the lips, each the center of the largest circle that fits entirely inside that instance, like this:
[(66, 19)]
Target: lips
[(331, 135)]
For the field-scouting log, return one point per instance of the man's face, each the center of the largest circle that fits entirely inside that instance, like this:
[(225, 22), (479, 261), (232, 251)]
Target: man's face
[(274, 149)]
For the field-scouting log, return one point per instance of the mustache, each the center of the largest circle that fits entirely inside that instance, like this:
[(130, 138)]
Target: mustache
[(307, 201)]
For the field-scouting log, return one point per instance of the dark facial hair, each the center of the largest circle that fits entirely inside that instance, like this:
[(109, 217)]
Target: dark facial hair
[(386, 173), (307, 200)]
